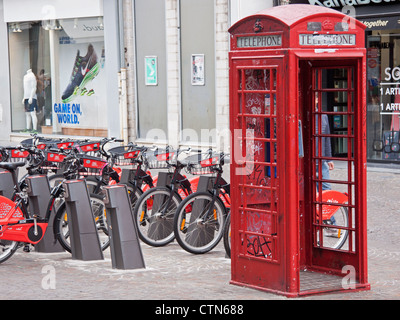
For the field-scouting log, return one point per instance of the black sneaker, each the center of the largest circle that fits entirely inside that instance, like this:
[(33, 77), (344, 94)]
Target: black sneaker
[(85, 69)]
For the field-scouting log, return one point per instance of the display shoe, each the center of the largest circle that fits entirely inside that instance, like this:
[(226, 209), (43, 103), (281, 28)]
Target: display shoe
[(85, 69)]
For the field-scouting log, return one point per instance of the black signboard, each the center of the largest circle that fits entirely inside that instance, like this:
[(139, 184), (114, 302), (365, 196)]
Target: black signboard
[(358, 8)]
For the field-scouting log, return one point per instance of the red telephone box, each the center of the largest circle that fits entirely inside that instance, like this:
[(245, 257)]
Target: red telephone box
[(297, 105)]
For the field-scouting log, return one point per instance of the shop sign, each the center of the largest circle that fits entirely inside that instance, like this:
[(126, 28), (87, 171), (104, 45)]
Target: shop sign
[(389, 88), (382, 23), (327, 39), (343, 3), (67, 113), (259, 41)]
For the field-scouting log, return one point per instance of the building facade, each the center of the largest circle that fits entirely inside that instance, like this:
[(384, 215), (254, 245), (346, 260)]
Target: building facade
[(153, 71), (382, 18), (156, 71)]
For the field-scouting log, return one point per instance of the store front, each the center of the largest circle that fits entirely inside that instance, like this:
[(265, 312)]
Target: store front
[(382, 19), (59, 80), (383, 88)]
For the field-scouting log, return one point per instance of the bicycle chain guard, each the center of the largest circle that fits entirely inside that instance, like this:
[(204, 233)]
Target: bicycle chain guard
[(23, 232), (14, 227)]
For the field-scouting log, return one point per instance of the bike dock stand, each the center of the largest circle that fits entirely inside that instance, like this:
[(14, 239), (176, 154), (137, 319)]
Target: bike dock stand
[(126, 252), (6, 184), (164, 179), (84, 239), (39, 196), (205, 183), (127, 175)]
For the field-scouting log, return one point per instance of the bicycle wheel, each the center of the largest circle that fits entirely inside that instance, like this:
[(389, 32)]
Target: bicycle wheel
[(154, 216), (227, 235), (61, 230), (199, 222), (335, 238), (7, 249)]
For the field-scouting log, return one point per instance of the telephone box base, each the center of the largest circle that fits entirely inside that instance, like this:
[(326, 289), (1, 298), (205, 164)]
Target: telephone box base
[(309, 289)]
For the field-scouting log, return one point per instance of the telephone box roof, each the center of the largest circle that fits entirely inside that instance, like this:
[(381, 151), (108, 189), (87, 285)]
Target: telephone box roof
[(293, 14)]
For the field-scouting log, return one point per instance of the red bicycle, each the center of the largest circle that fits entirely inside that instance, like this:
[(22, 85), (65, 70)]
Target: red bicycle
[(20, 227), (155, 209)]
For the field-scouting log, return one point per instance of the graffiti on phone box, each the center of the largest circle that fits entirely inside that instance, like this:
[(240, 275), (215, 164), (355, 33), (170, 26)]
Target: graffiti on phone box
[(258, 246), (67, 113), (258, 241)]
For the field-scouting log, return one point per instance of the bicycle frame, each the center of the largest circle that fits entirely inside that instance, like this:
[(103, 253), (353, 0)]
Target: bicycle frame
[(16, 222), (18, 225)]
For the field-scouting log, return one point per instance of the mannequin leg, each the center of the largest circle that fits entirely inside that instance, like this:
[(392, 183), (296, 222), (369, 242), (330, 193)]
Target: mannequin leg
[(28, 120), (34, 120)]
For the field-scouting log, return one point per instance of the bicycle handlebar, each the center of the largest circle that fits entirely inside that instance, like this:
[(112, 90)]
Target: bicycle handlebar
[(37, 158), (104, 141)]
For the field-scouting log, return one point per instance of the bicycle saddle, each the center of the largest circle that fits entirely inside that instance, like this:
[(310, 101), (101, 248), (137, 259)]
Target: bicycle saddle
[(11, 166)]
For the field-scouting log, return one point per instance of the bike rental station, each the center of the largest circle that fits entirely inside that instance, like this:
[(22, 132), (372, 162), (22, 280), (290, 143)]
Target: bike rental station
[(296, 202), (297, 104)]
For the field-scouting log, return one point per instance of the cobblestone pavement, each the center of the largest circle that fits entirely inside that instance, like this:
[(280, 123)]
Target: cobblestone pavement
[(172, 273)]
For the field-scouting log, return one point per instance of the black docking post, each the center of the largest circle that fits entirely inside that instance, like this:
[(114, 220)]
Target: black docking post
[(84, 239), (39, 196), (126, 252)]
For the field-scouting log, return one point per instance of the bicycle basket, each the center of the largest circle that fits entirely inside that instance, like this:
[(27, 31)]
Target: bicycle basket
[(45, 143), (17, 154), (202, 163), (92, 166), (125, 155), (53, 161), (42, 146), (92, 146), (160, 158), (67, 145)]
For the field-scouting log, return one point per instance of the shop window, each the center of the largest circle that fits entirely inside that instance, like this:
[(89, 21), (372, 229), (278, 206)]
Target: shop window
[(57, 75), (383, 95)]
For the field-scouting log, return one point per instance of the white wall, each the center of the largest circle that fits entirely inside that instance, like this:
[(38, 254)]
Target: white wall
[(243, 8), (55, 9)]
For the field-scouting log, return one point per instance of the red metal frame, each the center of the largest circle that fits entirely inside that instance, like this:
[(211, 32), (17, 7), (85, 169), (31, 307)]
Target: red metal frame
[(11, 229), (277, 229)]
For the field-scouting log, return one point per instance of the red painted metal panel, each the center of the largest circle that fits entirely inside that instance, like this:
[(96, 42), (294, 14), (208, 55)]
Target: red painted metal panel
[(281, 62)]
